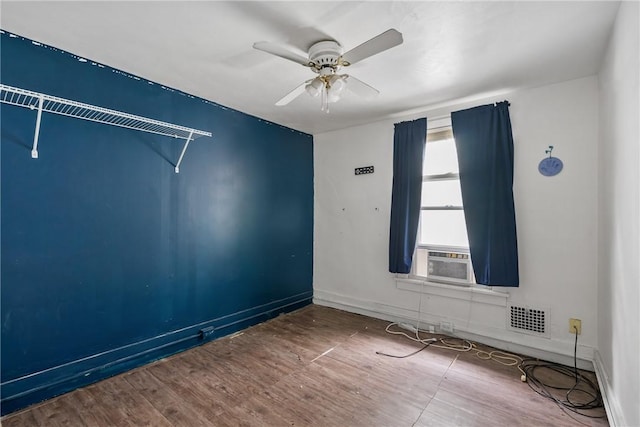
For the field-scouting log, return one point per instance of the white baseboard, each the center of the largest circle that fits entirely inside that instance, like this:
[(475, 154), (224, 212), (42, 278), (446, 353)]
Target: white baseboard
[(541, 348), (614, 412)]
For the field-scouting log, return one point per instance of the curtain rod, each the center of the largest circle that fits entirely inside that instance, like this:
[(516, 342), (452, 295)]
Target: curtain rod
[(481, 98)]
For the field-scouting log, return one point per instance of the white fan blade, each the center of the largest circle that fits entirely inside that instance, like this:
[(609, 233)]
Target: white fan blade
[(281, 51), (293, 94), (379, 43), (360, 88)]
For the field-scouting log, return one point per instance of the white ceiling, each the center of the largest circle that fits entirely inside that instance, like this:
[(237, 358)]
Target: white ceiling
[(451, 50)]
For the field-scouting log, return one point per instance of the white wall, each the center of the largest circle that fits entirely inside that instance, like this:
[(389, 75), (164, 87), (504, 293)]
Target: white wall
[(556, 221), (619, 218)]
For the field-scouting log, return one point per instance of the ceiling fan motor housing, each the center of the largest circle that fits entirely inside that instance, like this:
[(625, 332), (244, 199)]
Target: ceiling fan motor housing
[(325, 54)]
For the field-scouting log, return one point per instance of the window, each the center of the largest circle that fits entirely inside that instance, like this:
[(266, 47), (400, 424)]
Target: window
[(442, 226)]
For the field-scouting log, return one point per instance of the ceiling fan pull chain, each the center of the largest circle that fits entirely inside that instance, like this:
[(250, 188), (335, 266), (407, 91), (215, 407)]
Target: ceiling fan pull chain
[(325, 99)]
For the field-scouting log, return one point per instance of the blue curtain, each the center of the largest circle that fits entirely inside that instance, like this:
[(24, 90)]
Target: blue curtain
[(408, 150), (485, 155)]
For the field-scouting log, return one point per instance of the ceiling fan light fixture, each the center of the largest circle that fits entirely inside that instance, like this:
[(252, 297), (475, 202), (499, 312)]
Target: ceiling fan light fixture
[(315, 87), (332, 96), (334, 87), (336, 84)]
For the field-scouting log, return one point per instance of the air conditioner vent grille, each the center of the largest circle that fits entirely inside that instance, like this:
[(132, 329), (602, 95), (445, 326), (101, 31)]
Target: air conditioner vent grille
[(528, 319), (449, 267)]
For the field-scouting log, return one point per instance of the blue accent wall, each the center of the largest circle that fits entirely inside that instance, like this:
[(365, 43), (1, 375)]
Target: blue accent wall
[(109, 258)]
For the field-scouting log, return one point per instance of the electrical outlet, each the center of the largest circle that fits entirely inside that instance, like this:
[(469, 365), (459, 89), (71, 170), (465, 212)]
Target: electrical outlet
[(575, 325), (446, 327), (206, 332)]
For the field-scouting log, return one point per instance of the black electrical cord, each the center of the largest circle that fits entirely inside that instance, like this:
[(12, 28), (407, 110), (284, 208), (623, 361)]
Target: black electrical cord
[(405, 356), (582, 384)]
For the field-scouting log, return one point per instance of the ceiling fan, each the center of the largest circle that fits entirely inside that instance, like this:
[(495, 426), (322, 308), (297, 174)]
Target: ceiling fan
[(326, 58)]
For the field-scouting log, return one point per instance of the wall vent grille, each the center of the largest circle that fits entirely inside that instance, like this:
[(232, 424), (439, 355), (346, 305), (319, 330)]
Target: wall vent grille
[(528, 320)]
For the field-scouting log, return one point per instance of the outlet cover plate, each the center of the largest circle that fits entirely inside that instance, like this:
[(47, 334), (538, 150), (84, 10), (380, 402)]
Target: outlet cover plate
[(446, 327), (575, 324)]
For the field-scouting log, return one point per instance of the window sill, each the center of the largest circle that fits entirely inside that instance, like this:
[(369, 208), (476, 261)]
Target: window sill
[(468, 293)]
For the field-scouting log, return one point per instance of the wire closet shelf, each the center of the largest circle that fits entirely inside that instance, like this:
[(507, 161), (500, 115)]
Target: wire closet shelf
[(51, 104)]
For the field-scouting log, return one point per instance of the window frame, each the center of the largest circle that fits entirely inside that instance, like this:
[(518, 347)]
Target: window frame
[(443, 131)]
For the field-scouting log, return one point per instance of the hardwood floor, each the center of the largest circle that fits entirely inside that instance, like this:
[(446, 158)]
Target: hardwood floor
[(315, 367)]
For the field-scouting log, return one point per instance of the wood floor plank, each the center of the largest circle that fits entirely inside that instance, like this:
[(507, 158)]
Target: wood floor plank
[(206, 393), (66, 410), (201, 372), (171, 405), (92, 413), (254, 361), (20, 419), (275, 338), (241, 381), (510, 396), (42, 416), (362, 349), (448, 408), (124, 406), (313, 398), (268, 352), (380, 400), (317, 366), (259, 410)]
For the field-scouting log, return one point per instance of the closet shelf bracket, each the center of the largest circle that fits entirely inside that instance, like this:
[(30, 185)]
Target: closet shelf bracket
[(52, 104), (184, 150), (34, 150)]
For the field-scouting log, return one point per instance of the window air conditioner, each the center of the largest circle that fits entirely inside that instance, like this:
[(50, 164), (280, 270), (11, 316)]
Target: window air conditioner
[(450, 267)]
